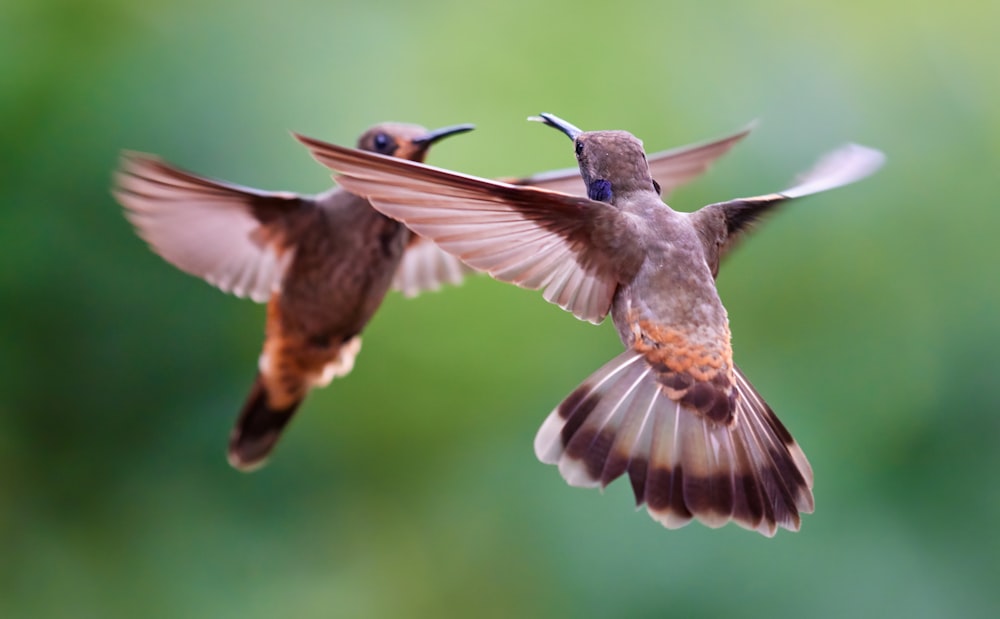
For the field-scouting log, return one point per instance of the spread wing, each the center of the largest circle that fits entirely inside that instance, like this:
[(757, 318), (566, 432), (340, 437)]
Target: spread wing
[(426, 267), (670, 168), (575, 249), (234, 237), (848, 164)]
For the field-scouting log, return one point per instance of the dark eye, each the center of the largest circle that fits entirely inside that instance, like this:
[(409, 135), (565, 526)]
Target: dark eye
[(579, 147), (382, 142)]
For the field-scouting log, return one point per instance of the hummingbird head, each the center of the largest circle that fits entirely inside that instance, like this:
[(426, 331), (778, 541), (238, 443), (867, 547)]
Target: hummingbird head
[(405, 141), (612, 163)]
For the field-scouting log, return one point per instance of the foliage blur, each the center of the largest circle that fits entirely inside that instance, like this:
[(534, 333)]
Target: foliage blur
[(868, 317)]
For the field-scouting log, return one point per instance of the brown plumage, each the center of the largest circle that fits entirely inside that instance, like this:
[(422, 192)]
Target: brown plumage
[(672, 412), (322, 263)]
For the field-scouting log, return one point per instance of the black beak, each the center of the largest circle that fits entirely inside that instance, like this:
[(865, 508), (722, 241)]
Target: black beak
[(433, 136), (554, 121)]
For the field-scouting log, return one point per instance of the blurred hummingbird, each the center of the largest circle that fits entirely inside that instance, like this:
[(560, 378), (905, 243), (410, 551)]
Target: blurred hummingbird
[(323, 263), (672, 412)]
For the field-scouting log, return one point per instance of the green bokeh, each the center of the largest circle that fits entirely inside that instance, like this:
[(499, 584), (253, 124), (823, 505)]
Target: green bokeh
[(868, 316)]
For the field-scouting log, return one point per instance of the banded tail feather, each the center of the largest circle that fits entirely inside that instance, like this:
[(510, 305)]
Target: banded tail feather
[(681, 464)]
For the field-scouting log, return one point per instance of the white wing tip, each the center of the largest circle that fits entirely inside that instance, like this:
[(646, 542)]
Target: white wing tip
[(848, 164)]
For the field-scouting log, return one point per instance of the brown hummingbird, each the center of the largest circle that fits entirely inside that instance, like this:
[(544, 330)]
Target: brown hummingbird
[(323, 263), (672, 412)]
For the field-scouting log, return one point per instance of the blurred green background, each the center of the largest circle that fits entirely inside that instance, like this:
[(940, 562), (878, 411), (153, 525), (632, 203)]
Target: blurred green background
[(867, 316)]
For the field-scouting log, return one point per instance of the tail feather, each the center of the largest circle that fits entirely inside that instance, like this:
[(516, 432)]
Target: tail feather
[(681, 464), (257, 429), (663, 491)]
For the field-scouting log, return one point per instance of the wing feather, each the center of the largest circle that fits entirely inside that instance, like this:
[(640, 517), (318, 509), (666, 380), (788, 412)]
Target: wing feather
[(233, 237), (526, 236), (670, 168), (843, 166), (426, 267)]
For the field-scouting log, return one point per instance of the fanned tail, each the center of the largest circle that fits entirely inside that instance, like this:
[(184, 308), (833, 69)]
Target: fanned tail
[(681, 464)]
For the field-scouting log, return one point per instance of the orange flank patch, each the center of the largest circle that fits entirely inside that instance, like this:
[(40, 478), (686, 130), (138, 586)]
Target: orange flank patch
[(698, 374), (291, 364), (672, 348), (283, 374)]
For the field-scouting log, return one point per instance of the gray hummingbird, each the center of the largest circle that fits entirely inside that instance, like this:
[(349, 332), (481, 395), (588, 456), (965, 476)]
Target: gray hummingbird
[(322, 263), (672, 412)]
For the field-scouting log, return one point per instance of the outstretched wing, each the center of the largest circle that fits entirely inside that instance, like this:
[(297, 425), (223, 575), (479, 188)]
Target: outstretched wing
[(670, 168), (234, 237), (846, 165), (425, 266), (576, 249)]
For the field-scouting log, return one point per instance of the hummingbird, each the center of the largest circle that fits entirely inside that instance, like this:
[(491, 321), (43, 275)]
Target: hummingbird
[(322, 263), (672, 412)]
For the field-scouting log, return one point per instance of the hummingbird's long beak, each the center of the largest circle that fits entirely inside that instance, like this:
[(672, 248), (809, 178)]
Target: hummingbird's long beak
[(554, 121), (433, 136)]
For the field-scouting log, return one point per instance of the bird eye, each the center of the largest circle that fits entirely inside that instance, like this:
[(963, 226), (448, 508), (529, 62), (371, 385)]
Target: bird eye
[(579, 147), (381, 142)]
